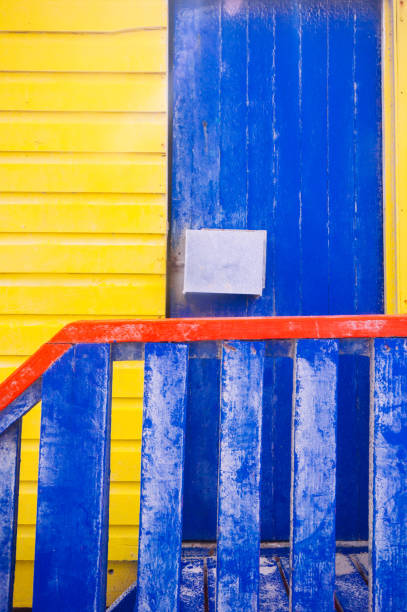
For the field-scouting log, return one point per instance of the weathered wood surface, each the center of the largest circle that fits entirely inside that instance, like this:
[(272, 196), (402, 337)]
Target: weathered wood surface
[(21, 405), (73, 483), (189, 330), (388, 465), (350, 588), (269, 134), (10, 444), (162, 465), (239, 476), (312, 554)]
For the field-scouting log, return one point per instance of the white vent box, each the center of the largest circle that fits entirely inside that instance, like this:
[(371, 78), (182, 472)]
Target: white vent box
[(225, 261)]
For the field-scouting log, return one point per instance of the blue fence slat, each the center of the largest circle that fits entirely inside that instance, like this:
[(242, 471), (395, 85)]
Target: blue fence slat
[(73, 483), (20, 406), (312, 551), (239, 476), (10, 444), (388, 469), (162, 466)]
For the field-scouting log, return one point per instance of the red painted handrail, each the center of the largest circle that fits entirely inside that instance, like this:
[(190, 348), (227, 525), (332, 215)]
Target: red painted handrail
[(188, 330)]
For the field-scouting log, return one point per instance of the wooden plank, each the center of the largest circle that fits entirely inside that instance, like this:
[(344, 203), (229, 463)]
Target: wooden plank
[(70, 294), (350, 588), (78, 16), (388, 460), (179, 330), (25, 376), (238, 550), (192, 597), (73, 483), (103, 213), (100, 92), (273, 596), (140, 51), (124, 462), (83, 132), (191, 594), (10, 441), (124, 503), (21, 405), (162, 468), (83, 172), (82, 254), (235, 328), (312, 540)]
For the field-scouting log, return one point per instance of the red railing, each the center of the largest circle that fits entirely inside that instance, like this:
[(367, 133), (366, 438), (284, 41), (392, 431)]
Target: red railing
[(192, 330)]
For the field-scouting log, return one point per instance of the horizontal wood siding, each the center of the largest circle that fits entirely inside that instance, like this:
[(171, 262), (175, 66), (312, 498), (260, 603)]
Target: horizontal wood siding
[(82, 214)]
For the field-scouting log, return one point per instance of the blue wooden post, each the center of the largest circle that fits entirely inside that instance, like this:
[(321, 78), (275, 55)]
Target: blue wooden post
[(239, 477), (388, 472), (312, 554), (10, 444), (73, 483), (162, 467)]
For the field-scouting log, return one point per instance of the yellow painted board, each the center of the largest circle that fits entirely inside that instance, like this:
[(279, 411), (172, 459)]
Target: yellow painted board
[(128, 379), (124, 463), (83, 132), (88, 294), (82, 172), (124, 503), (23, 334), (103, 92), (389, 156), (81, 15), (401, 152), (128, 376), (82, 253), (123, 543), (76, 212), (127, 414), (120, 576), (139, 51)]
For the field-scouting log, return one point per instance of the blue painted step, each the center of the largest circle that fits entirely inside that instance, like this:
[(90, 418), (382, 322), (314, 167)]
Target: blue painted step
[(197, 592)]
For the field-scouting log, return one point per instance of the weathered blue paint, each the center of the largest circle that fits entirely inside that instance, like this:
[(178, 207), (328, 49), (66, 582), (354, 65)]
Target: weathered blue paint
[(73, 483), (162, 467), (10, 444), (388, 472), (276, 126), (128, 351), (239, 477), (191, 591), (20, 406), (192, 598), (312, 553), (272, 593), (350, 588), (273, 596)]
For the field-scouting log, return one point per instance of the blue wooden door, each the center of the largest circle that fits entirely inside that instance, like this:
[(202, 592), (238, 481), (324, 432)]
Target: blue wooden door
[(276, 125)]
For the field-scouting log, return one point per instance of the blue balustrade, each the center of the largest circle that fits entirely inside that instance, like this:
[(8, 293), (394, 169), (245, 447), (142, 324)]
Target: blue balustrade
[(240, 573)]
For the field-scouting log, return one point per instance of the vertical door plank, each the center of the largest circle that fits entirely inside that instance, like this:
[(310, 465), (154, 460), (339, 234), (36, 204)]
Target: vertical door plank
[(162, 468), (388, 472), (10, 444), (312, 550), (73, 483), (239, 477)]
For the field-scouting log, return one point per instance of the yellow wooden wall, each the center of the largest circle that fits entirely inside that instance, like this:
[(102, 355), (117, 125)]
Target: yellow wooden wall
[(82, 212), (397, 176)]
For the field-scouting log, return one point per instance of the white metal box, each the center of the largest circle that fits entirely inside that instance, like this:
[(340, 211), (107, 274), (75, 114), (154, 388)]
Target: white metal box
[(225, 261)]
